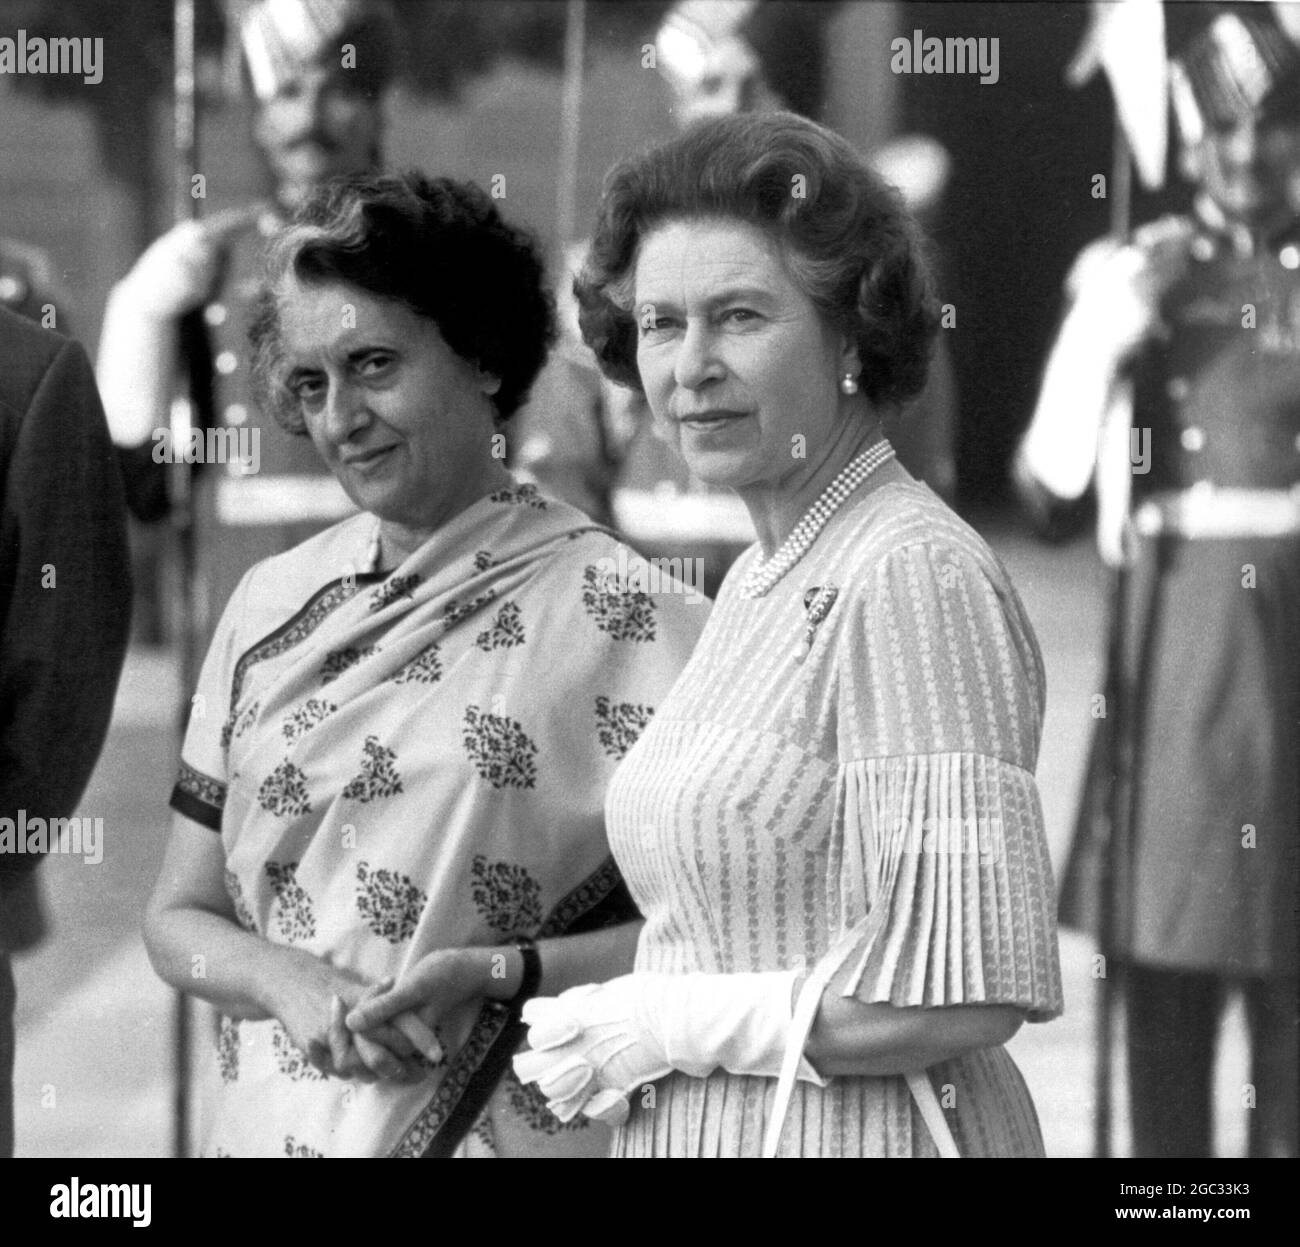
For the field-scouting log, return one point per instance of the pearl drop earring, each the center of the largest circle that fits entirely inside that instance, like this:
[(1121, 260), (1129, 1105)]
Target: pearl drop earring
[(848, 384)]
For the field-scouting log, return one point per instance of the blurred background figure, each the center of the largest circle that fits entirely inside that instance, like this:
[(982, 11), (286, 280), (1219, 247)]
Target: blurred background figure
[(595, 443), (65, 607), (29, 284), (318, 70), (1181, 353)]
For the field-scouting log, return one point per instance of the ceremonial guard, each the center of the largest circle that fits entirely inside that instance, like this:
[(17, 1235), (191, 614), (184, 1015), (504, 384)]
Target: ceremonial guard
[(1177, 374), (318, 69), (594, 443)]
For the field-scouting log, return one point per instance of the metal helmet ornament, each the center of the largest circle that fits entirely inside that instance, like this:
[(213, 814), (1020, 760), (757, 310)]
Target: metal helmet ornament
[(1242, 65), (282, 37), (711, 67)]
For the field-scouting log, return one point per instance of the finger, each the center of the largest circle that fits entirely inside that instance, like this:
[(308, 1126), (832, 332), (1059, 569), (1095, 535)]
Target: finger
[(339, 1040), (425, 1041), (369, 1013), (373, 992), (430, 1015), (572, 1076), (550, 1025), (379, 988), (609, 1106), (557, 1077), (391, 1038), (416, 1068), (573, 1080), (378, 1059), (530, 1066), (538, 1009), (566, 1109)]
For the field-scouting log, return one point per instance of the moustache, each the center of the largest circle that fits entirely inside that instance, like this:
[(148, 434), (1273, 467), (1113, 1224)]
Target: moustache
[(312, 138)]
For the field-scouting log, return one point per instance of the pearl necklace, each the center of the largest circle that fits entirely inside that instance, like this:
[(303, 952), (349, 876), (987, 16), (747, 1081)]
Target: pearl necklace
[(763, 575)]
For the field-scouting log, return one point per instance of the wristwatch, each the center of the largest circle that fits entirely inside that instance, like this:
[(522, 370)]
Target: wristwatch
[(532, 979)]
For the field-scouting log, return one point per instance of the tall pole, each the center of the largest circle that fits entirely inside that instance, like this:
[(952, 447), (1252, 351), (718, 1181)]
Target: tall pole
[(1118, 751), (575, 38), (181, 497)]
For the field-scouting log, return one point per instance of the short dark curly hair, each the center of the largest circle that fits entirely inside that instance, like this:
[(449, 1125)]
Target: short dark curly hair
[(845, 234), (435, 245)]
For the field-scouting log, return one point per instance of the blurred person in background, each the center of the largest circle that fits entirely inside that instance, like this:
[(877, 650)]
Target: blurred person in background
[(319, 115), (1180, 357), (29, 284), (65, 609), (595, 443)]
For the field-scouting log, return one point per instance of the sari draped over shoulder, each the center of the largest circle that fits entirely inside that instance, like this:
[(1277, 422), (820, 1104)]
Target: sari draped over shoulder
[(404, 761)]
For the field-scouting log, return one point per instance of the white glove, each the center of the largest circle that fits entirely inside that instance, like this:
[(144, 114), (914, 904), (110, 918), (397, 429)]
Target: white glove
[(136, 368), (593, 1046), (179, 270), (1117, 292)]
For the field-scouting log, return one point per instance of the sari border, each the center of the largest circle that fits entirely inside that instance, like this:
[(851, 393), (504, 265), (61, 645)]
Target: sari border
[(328, 598), (198, 796), (602, 899), (300, 625)]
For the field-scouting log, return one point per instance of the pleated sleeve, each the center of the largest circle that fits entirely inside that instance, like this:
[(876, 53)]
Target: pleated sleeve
[(940, 857)]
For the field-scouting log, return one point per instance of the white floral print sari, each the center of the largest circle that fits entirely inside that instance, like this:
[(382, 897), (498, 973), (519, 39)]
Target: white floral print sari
[(403, 761)]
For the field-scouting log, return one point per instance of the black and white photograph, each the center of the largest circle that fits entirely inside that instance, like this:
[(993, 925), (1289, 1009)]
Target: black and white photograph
[(595, 579)]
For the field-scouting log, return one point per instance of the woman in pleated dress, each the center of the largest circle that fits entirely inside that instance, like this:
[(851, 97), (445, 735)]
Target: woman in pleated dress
[(831, 825)]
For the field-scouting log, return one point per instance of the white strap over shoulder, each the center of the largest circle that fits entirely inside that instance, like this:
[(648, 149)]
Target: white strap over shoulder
[(862, 935)]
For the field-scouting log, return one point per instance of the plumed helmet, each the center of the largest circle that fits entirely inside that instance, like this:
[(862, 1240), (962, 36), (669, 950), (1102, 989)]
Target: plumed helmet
[(282, 37), (703, 54), (1241, 64)]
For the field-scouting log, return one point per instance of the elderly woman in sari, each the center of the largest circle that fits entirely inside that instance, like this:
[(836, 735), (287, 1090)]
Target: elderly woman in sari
[(396, 764), (831, 826)]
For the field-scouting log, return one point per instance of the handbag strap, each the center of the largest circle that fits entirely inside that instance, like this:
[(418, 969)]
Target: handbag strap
[(862, 935), (928, 1103)]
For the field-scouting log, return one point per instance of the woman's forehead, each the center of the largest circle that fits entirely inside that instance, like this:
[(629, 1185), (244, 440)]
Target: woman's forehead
[(700, 256), (701, 251), (319, 316)]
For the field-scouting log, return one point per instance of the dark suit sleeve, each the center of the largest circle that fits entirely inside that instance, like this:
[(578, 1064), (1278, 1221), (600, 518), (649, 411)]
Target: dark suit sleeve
[(65, 593)]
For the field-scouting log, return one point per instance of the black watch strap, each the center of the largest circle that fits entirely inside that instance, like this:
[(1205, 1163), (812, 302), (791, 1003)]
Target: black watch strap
[(532, 979)]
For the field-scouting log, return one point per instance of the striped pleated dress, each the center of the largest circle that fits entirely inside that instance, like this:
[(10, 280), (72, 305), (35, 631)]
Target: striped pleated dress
[(794, 779)]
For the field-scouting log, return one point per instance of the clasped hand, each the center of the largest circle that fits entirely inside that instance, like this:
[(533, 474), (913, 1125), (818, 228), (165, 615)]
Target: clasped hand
[(349, 1027)]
